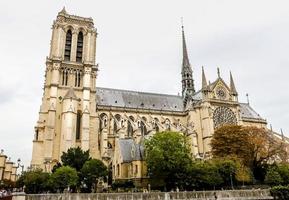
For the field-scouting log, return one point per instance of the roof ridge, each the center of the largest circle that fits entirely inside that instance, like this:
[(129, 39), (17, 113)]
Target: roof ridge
[(151, 93)]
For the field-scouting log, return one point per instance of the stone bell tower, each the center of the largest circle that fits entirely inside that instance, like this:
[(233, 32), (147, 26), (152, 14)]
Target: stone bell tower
[(68, 103)]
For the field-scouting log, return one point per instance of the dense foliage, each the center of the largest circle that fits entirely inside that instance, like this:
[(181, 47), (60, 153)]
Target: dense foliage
[(91, 171), (64, 177), (75, 158), (78, 172), (254, 147), (280, 192), (36, 181), (168, 159)]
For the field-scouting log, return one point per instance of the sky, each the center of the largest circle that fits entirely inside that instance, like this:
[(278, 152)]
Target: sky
[(139, 48)]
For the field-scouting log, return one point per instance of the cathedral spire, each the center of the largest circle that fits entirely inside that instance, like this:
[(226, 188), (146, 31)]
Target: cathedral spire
[(186, 62), (204, 80), (232, 85), (187, 73)]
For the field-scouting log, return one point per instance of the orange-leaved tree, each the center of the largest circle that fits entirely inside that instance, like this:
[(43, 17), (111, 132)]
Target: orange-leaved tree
[(253, 146)]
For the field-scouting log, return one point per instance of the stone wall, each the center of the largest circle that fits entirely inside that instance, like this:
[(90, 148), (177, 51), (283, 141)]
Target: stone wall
[(205, 195)]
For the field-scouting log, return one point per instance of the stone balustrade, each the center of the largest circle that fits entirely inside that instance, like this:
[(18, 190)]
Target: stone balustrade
[(197, 195)]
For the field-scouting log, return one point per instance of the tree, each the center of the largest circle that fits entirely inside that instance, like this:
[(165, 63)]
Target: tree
[(91, 171), (227, 168), (283, 170), (35, 181), (168, 159), (272, 177), (243, 174), (64, 177), (230, 141), (253, 146), (75, 158)]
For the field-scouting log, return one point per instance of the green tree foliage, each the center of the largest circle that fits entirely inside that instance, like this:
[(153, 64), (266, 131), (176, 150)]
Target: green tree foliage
[(75, 158), (243, 174), (91, 171), (283, 170), (280, 192), (7, 184), (227, 168), (35, 181), (273, 177), (203, 175), (168, 159), (64, 177)]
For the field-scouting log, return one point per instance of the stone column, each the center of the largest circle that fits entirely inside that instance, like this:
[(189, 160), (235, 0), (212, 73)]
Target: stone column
[(86, 107), (68, 128), (207, 128), (50, 126)]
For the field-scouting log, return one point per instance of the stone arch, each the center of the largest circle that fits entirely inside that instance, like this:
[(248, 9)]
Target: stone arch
[(167, 124), (68, 45), (130, 126), (155, 123), (143, 127), (103, 121), (116, 122)]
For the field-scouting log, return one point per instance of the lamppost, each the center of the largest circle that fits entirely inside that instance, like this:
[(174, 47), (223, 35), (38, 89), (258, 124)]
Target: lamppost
[(19, 165)]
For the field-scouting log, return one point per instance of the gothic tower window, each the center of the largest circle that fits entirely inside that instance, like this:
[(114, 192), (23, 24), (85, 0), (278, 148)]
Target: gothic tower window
[(66, 77), (63, 77), (67, 52), (79, 48), (78, 123), (77, 78)]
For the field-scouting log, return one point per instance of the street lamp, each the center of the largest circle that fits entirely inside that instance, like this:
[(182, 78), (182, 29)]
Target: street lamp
[(19, 165)]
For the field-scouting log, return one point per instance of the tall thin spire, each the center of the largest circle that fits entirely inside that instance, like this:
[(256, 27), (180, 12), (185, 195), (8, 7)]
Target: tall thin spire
[(232, 85), (187, 73), (204, 80), (186, 62)]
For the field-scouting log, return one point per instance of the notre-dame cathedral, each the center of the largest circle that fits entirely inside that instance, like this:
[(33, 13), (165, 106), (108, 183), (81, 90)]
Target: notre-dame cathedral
[(112, 123)]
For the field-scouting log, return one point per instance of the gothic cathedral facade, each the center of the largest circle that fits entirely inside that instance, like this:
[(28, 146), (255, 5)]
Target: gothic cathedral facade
[(111, 123)]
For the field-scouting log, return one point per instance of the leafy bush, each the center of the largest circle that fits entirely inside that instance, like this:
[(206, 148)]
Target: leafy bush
[(64, 177), (273, 177), (280, 192), (122, 184), (36, 181)]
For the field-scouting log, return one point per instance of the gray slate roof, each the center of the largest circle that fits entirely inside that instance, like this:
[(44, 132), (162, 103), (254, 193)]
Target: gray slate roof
[(130, 151), (134, 99), (152, 101), (248, 112)]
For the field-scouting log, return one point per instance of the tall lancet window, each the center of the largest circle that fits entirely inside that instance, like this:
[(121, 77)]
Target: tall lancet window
[(67, 51), (78, 124), (79, 47)]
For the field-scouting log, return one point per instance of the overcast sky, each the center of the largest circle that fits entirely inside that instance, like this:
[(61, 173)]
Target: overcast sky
[(139, 48)]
